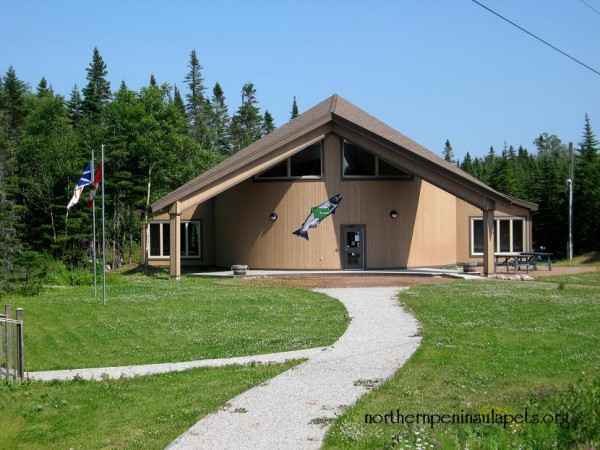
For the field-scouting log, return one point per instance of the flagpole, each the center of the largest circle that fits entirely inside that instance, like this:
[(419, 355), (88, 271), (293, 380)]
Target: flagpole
[(94, 236), (103, 233)]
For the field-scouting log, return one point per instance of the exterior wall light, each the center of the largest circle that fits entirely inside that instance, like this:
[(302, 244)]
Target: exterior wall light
[(394, 214), (273, 217)]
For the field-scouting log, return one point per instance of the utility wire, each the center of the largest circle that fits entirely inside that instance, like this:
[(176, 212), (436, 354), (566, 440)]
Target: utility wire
[(538, 38), (590, 6)]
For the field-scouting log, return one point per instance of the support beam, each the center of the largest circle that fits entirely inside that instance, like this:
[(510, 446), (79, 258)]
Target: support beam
[(175, 244), (488, 242)]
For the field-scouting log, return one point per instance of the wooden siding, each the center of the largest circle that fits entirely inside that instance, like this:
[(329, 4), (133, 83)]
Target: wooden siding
[(464, 213), (203, 212), (423, 234)]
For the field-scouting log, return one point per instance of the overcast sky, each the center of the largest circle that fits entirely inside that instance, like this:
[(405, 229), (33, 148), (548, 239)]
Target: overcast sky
[(432, 69)]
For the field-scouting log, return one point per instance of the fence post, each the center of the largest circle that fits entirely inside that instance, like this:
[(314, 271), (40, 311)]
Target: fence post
[(8, 314), (20, 344)]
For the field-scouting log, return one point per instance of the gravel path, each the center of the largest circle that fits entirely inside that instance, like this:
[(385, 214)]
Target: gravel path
[(151, 369), (294, 409)]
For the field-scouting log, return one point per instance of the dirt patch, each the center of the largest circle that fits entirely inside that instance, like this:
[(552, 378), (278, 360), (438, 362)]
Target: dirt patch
[(358, 280)]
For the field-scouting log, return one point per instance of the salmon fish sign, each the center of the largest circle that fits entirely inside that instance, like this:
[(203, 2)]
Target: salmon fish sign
[(317, 214)]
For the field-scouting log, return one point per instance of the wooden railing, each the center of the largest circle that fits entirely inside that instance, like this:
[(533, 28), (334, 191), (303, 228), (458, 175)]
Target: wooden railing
[(12, 355)]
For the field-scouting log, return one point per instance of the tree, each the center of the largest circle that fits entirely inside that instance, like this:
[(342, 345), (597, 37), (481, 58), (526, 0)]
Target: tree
[(220, 122), (586, 201), (467, 164), (448, 152), (268, 123), (246, 124), (43, 89), (75, 106), (197, 106), (294, 112), (13, 100), (96, 94)]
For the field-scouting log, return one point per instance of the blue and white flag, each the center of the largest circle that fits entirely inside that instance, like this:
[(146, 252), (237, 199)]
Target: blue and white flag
[(85, 179)]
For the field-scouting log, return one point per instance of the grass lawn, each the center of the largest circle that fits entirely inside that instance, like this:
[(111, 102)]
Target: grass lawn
[(487, 346), (581, 279), (133, 413), (149, 320)]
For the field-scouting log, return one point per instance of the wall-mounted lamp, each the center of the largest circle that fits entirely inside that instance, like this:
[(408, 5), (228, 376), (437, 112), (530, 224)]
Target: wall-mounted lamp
[(394, 214), (273, 217)]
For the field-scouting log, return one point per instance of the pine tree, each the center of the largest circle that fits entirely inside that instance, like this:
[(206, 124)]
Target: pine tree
[(220, 121), (75, 106), (246, 124), (448, 152), (96, 94), (268, 123), (153, 80), (197, 106), (43, 89), (294, 112), (177, 100), (14, 93), (467, 164), (586, 201)]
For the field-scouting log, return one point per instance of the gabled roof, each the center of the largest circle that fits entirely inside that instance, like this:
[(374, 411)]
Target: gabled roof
[(337, 110)]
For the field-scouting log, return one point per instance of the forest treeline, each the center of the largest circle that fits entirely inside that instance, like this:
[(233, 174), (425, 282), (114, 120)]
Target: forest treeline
[(158, 138)]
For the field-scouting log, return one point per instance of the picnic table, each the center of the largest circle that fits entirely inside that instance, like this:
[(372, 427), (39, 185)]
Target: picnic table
[(526, 260)]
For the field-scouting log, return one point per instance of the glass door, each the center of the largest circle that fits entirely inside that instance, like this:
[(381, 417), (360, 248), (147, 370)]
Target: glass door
[(353, 242)]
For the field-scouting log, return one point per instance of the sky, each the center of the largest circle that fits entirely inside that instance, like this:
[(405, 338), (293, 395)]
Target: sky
[(435, 70)]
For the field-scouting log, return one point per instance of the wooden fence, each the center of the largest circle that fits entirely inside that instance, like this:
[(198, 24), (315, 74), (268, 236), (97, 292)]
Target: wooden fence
[(12, 356)]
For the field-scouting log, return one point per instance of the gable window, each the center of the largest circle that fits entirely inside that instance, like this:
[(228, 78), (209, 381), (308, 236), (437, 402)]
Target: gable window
[(306, 163), (190, 235), (509, 233), (359, 163)]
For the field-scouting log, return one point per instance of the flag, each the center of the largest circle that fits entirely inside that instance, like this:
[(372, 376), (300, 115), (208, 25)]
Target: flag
[(85, 179), (94, 188)]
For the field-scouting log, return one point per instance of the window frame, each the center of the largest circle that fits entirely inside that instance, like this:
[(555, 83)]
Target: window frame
[(183, 243), (288, 162), (378, 158), (498, 226)]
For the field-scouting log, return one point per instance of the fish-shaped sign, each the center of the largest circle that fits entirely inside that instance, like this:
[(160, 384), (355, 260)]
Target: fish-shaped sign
[(317, 214)]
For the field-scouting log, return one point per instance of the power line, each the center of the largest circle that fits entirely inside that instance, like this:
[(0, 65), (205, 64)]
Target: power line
[(590, 6), (538, 38)]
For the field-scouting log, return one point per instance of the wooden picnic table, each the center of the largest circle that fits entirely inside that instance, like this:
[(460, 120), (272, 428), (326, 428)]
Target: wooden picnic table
[(527, 260)]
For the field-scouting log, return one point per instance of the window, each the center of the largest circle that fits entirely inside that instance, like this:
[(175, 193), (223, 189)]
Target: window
[(190, 235), (304, 164), (359, 163), (509, 234)]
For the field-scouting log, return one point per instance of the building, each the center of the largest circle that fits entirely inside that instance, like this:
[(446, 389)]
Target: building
[(402, 206)]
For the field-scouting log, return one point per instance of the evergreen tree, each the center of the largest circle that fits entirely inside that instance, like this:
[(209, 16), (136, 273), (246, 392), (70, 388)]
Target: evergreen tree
[(246, 124), (467, 164), (197, 106), (14, 93), (220, 121), (268, 123), (448, 152), (586, 202), (153, 81), (43, 88), (96, 94), (177, 100), (75, 106), (294, 112)]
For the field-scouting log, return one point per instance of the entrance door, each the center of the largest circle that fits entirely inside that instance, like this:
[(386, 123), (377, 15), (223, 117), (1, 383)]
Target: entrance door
[(353, 241)]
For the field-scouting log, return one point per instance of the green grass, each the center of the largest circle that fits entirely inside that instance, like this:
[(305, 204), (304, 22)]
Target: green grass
[(135, 413), (583, 279), (485, 345), (588, 259), (149, 320)]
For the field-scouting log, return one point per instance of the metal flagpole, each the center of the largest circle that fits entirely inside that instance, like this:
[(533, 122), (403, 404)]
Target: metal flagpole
[(94, 235), (103, 234)]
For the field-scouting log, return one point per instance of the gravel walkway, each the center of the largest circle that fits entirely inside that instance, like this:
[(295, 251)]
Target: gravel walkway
[(294, 409)]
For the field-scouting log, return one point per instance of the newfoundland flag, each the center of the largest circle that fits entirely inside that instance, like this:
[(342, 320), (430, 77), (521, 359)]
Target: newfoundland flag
[(85, 179)]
